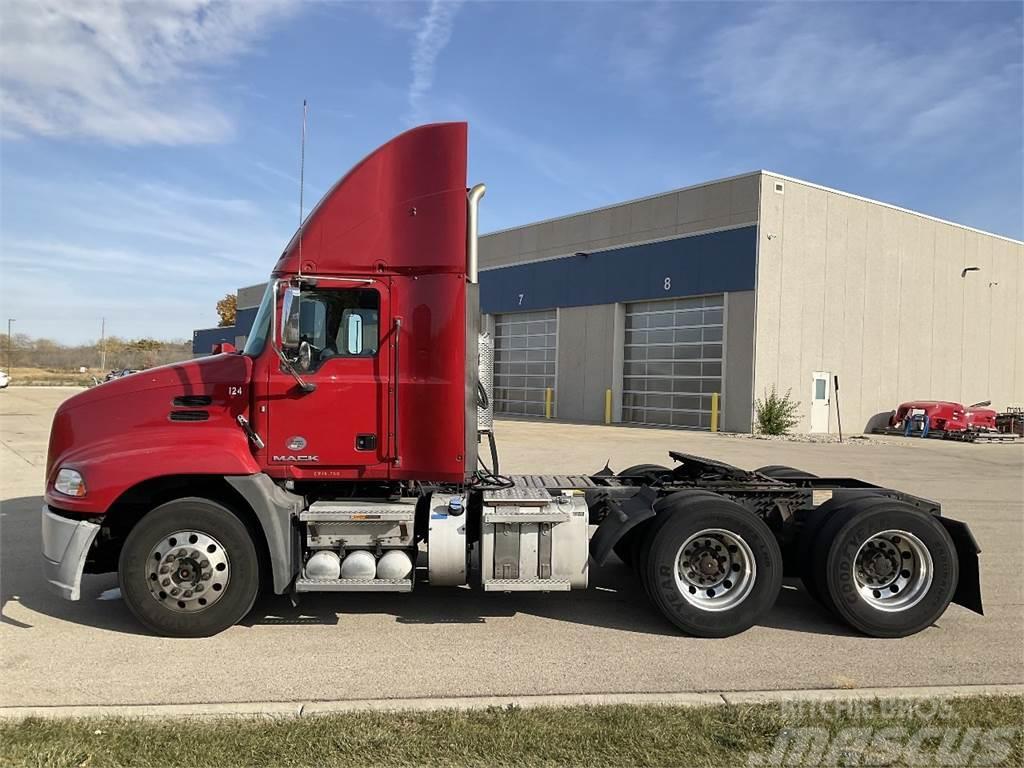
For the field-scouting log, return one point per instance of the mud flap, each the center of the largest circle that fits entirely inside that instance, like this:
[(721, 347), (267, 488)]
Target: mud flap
[(968, 589), (622, 516)]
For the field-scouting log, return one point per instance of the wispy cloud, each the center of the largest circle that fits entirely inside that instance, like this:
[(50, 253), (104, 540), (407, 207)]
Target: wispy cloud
[(432, 35), (641, 46), (153, 256), (121, 71), (820, 66)]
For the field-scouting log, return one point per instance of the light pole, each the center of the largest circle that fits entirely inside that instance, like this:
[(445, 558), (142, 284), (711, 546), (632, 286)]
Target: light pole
[(9, 321), (103, 345)]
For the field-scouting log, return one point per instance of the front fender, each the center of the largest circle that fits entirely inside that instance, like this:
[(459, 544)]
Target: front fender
[(113, 465)]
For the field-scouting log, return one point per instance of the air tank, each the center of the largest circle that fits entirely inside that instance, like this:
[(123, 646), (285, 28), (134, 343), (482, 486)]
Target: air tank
[(323, 565), (395, 564), (359, 564)]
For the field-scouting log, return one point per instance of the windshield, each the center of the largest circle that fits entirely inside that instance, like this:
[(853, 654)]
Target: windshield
[(261, 325)]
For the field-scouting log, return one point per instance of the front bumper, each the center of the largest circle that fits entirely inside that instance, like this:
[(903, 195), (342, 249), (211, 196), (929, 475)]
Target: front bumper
[(66, 544)]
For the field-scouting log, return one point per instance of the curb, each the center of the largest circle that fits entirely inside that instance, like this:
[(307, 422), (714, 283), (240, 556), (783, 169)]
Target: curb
[(297, 709)]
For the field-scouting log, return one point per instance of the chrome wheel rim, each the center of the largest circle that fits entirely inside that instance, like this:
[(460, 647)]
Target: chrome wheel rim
[(893, 570), (715, 569), (188, 571)]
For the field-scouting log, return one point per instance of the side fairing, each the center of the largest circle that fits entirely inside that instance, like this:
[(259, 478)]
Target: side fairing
[(401, 209)]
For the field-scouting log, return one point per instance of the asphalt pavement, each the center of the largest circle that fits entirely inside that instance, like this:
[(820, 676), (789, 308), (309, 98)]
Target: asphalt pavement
[(444, 642)]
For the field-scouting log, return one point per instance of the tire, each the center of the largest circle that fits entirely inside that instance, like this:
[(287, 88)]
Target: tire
[(905, 606), (809, 543), (210, 599), (642, 469), (665, 507), (755, 587), (624, 547), (782, 472)]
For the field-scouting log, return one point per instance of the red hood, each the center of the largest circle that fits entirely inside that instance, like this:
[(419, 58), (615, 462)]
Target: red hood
[(191, 377), (142, 409)]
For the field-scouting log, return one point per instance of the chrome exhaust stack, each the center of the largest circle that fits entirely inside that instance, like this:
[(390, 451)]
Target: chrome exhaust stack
[(472, 229), (472, 368)]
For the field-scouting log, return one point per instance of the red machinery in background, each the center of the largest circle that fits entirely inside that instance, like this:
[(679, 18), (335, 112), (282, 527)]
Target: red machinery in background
[(943, 418)]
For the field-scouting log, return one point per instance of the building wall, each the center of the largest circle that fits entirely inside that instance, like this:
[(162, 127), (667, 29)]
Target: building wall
[(703, 239), (737, 399), (874, 294), (715, 205), (250, 296)]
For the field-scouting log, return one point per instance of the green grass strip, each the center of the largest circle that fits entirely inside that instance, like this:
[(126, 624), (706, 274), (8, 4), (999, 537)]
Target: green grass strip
[(571, 736)]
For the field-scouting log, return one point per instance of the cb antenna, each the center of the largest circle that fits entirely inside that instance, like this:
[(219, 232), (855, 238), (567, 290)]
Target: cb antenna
[(302, 179)]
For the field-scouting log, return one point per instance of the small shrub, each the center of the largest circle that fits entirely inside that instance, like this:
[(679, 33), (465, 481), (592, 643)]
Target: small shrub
[(776, 415)]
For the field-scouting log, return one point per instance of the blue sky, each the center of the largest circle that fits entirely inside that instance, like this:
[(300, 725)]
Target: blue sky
[(149, 151)]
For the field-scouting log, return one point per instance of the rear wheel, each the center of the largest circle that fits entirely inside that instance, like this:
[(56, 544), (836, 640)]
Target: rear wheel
[(888, 570), (712, 567), (189, 569)]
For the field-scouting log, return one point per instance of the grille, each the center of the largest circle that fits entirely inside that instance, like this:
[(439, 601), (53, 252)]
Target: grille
[(485, 416)]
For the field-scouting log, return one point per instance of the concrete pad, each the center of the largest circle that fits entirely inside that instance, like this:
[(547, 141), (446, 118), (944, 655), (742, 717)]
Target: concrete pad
[(445, 642)]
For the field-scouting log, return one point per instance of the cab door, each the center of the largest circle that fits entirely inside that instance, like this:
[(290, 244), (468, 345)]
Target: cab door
[(342, 350)]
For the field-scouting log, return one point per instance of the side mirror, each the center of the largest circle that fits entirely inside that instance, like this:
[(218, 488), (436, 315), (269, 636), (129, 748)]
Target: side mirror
[(290, 317), (353, 332), (304, 359), (223, 348)]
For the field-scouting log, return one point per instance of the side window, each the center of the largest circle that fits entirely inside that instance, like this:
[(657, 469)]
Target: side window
[(342, 322)]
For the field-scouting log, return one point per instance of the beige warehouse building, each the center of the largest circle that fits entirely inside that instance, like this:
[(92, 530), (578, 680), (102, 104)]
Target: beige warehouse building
[(666, 307)]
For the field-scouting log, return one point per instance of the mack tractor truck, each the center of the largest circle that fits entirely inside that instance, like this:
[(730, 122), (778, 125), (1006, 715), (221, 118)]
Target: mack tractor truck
[(349, 447)]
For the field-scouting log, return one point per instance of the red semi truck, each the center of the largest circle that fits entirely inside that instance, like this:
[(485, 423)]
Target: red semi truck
[(339, 451)]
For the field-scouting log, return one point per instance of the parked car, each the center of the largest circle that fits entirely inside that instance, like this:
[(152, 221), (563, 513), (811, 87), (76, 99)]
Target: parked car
[(4, 380), (120, 374)]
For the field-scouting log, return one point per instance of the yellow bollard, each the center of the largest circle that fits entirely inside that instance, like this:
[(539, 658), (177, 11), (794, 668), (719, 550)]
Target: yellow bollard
[(714, 411), (548, 397), (607, 406)]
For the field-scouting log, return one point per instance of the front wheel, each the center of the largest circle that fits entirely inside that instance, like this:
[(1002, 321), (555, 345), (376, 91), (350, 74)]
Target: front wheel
[(713, 568), (189, 569)]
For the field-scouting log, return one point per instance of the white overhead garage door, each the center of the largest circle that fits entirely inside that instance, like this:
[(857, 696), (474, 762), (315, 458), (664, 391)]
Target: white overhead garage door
[(525, 354), (673, 361)]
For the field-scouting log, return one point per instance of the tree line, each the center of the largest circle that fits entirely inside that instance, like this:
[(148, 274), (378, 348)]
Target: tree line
[(27, 352)]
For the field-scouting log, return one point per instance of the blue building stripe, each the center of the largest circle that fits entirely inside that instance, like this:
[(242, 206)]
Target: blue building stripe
[(686, 266)]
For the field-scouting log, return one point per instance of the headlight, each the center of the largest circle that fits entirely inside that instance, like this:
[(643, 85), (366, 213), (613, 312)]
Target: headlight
[(70, 483)]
